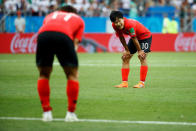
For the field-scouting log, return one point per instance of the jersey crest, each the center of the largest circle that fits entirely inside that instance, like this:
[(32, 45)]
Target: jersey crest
[(132, 31)]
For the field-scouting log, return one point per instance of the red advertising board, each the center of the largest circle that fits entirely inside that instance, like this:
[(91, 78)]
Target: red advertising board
[(97, 42), (18, 43)]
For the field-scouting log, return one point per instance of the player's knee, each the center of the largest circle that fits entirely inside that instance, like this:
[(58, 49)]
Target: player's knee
[(45, 72), (125, 59), (142, 59), (72, 76), (71, 73)]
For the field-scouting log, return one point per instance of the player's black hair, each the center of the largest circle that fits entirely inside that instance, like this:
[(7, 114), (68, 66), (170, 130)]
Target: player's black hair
[(68, 8), (115, 14)]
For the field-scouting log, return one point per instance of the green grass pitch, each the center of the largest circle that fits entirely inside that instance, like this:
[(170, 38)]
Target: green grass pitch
[(170, 93)]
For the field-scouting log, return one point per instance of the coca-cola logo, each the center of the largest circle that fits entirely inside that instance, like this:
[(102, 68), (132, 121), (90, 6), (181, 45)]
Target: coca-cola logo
[(23, 44), (115, 44), (185, 43)]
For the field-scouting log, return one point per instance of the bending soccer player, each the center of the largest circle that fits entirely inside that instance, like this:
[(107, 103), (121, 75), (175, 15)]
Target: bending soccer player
[(59, 35), (140, 42)]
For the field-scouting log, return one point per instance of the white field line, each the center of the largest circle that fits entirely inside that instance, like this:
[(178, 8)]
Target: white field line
[(106, 121), (104, 63), (135, 65)]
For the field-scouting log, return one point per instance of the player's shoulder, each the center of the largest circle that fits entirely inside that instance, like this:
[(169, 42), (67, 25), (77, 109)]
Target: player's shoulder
[(78, 17), (130, 22), (81, 21), (75, 15)]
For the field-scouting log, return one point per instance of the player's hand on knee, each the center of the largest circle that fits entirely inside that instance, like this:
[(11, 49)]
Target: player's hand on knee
[(141, 54), (126, 56), (142, 58)]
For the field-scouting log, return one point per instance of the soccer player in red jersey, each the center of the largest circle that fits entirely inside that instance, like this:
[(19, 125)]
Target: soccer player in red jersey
[(140, 42), (59, 35)]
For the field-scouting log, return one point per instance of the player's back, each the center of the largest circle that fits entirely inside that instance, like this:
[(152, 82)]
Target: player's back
[(68, 23)]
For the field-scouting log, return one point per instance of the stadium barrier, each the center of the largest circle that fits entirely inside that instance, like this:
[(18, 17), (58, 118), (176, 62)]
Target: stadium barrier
[(33, 23), (100, 42)]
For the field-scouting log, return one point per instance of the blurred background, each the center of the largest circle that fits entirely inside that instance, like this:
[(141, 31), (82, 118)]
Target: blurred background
[(159, 16)]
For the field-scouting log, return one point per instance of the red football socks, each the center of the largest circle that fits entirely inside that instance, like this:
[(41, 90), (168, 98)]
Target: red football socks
[(44, 93), (143, 73), (125, 74), (72, 94)]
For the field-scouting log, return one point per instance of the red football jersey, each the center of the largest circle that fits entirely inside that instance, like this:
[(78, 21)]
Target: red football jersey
[(68, 23), (134, 29)]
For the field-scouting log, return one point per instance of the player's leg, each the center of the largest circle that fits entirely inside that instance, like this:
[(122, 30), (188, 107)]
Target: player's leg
[(124, 71), (43, 88), (68, 59), (145, 45), (44, 60), (143, 72), (125, 65), (72, 90)]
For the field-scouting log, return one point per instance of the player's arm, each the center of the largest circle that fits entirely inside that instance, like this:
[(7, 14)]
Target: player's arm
[(141, 53), (121, 37), (126, 54), (78, 35), (122, 40), (137, 45), (76, 42)]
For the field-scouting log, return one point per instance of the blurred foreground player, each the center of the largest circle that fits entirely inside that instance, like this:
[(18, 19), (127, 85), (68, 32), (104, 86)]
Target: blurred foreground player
[(140, 42), (59, 35)]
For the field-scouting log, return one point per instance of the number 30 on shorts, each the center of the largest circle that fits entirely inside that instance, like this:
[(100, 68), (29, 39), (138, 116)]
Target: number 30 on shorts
[(144, 46)]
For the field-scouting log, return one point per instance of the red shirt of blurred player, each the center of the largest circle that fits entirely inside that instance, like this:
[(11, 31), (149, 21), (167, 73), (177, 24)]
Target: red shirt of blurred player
[(68, 23), (141, 32), (59, 35)]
